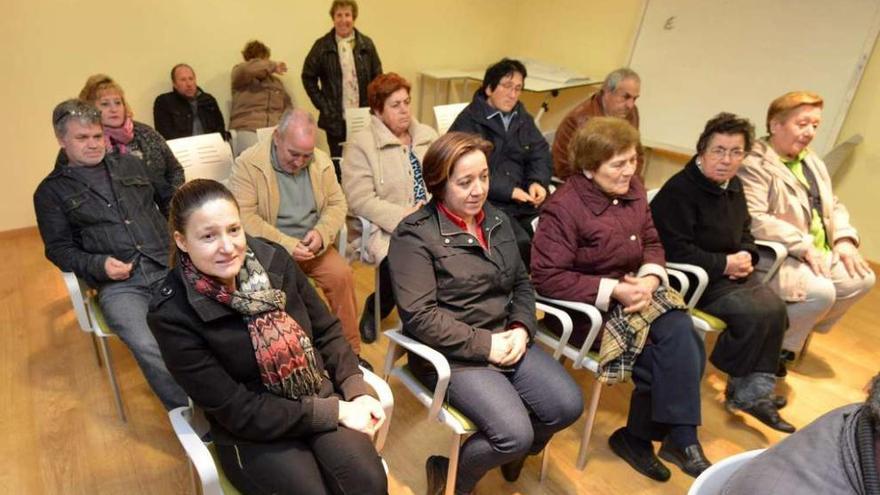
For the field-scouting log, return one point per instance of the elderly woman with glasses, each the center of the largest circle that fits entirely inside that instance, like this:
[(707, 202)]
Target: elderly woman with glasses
[(702, 218), (123, 135), (790, 199)]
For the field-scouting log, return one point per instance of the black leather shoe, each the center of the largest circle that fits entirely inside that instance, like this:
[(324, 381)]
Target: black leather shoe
[(766, 412), (691, 459), (781, 370), (787, 355), (436, 468), (511, 470), (367, 325), (364, 363), (778, 401), (643, 461)]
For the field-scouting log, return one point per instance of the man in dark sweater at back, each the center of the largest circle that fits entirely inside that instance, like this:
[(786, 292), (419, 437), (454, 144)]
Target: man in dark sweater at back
[(187, 110)]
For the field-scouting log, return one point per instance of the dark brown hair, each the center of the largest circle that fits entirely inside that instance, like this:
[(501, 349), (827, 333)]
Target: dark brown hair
[(598, 141), (726, 123), (190, 197), (382, 87), (442, 156), (255, 49), (341, 4)]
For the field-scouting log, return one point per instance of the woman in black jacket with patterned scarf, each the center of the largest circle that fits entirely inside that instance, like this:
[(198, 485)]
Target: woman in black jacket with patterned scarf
[(247, 337)]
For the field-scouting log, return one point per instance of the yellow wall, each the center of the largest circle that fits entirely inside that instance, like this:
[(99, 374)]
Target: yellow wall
[(138, 43)]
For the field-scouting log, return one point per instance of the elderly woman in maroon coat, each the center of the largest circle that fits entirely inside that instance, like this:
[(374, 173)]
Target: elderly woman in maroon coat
[(596, 243)]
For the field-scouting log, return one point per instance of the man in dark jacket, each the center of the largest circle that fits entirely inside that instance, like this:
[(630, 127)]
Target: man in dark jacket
[(520, 165), (187, 110), (337, 71), (100, 218)]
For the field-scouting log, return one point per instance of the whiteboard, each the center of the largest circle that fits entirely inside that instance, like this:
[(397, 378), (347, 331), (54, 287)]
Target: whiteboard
[(700, 57)]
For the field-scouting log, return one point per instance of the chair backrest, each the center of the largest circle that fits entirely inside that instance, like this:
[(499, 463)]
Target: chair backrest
[(550, 136), (356, 119), (652, 193), (712, 480), (445, 115), (78, 291), (265, 132), (206, 156)]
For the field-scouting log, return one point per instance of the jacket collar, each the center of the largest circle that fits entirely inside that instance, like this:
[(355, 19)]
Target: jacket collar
[(453, 234), (208, 309), (383, 136), (330, 40), (693, 172), (480, 110), (596, 200)]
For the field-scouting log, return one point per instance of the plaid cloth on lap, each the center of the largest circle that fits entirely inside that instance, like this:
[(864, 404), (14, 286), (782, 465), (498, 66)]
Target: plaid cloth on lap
[(625, 335)]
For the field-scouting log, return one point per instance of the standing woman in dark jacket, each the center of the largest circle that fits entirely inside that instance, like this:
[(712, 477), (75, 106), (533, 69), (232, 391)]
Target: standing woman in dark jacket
[(337, 71), (597, 244), (123, 135), (462, 289), (702, 218), (248, 338)]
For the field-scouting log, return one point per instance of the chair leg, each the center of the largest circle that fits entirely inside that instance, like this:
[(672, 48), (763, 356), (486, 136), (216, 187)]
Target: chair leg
[(800, 355), (452, 474), (545, 462), (377, 303), (97, 352), (105, 350), (588, 425)]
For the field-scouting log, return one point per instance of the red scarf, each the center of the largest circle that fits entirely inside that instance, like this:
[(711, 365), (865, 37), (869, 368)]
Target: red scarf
[(119, 136)]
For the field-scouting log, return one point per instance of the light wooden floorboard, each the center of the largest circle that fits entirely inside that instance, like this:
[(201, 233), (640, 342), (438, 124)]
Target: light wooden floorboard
[(61, 434)]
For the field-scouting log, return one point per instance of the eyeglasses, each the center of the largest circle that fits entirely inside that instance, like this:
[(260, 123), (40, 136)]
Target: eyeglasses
[(719, 153), (509, 86)]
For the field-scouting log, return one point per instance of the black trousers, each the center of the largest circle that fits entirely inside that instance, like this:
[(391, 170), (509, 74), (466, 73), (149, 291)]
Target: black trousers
[(521, 221), (667, 378), (334, 142), (341, 461), (756, 322)]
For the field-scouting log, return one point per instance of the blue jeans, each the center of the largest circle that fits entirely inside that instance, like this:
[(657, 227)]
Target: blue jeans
[(125, 305), (516, 412)]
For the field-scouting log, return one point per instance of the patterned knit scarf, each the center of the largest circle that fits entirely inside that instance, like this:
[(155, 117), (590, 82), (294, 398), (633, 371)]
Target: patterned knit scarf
[(625, 334), (284, 352)]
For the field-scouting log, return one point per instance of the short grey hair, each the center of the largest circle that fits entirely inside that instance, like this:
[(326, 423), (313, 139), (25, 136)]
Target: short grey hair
[(296, 116), (85, 113), (613, 79)]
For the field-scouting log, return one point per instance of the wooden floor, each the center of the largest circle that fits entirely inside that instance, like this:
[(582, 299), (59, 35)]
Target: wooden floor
[(59, 432)]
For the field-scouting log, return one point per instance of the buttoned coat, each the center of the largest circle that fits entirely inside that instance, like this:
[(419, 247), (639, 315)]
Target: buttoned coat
[(587, 241), (780, 208), (378, 180)]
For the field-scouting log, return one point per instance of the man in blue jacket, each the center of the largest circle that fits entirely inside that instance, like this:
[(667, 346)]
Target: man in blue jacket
[(520, 165)]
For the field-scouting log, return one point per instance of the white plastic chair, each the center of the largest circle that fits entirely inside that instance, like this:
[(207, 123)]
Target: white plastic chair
[(206, 156), (435, 400), (356, 119), (190, 426), (445, 115), (712, 480), (91, 320)]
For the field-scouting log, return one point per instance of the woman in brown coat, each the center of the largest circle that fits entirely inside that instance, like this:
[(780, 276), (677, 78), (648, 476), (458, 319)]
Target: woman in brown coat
[(789, 196), (462, 289), (597, 244)]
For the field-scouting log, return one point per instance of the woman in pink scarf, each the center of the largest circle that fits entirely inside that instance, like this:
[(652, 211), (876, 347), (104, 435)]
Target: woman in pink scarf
[(124, 135)]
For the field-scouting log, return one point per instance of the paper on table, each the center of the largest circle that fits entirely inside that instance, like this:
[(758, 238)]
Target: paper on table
[(554, 73)]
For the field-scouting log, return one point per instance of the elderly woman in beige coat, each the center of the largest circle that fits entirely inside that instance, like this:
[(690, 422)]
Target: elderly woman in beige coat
[(382, 177), (789, 195)]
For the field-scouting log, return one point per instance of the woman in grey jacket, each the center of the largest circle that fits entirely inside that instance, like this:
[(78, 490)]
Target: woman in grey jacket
[(461, 288)]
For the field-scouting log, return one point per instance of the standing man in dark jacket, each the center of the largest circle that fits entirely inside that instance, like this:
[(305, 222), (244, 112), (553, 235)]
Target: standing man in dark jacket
[(100, 218), (337, 71), (187, 110), (520, 165)]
